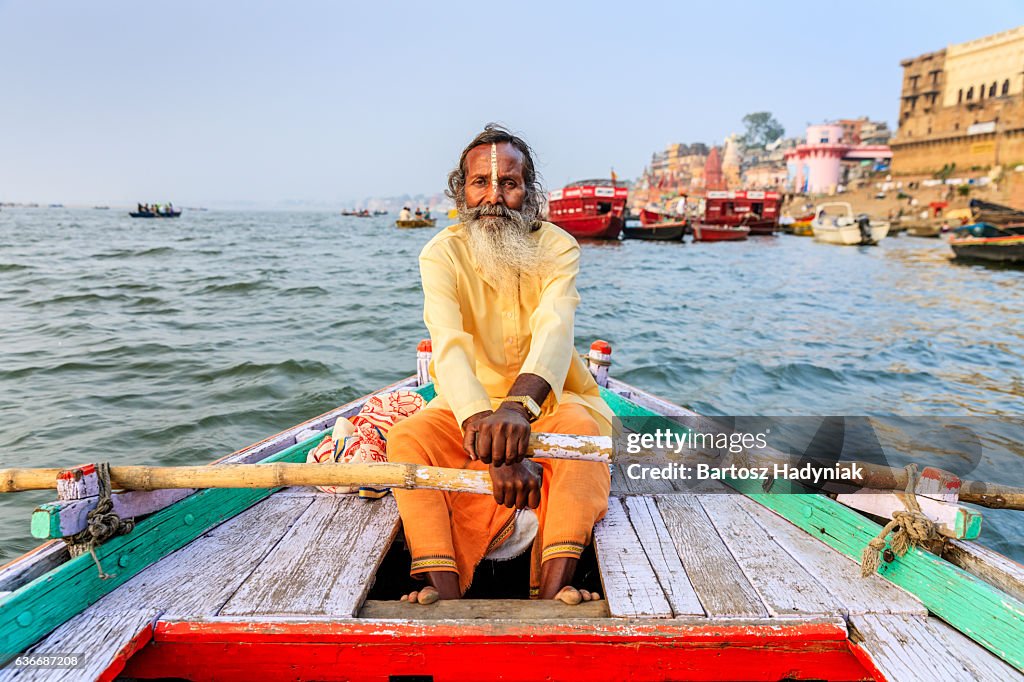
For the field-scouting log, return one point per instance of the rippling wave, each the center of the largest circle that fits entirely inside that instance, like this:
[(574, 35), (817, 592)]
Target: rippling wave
[(179, 342)]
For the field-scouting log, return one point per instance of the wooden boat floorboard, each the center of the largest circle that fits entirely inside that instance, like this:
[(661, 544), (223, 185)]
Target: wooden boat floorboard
[(325, 563), (723, 589), (785, 587), (630, 584), (485, 609), (839, 574), (907, 647), (109, 637)]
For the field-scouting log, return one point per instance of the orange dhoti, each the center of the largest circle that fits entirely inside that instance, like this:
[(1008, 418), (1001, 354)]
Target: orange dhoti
[(448, 531)]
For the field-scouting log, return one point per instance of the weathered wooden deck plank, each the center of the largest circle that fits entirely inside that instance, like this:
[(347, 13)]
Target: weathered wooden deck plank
[(995, 619), (838, 573), (906, 647), (654, 538), (630, 584), (212, 566), (485, 609), (785, 586), (724, 591), (194, 581), (32, 564), (325, 563), (990, 566), (108, 641)]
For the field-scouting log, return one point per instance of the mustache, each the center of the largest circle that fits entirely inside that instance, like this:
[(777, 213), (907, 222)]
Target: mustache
[(492, 210), (496, 211)]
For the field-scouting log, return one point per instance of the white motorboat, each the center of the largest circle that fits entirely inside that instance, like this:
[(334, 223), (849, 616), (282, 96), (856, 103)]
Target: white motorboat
[(835, 223)]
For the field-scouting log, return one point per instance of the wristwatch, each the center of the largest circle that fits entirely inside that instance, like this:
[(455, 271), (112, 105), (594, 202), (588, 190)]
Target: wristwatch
[(532, 408)]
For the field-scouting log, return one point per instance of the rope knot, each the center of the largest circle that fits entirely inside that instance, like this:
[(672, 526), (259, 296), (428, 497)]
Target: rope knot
[(909, 528), (102, 523)]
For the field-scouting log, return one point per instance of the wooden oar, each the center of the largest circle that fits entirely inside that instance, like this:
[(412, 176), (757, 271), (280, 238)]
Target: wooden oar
[(384, 474)]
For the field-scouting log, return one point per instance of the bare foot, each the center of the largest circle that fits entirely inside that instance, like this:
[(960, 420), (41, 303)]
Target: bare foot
[(571, 596), (428, 595)]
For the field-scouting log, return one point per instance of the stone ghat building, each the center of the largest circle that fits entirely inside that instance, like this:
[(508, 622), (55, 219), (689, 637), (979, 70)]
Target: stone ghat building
[(962, 105)]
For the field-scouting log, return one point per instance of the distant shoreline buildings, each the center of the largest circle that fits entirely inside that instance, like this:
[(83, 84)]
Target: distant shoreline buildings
[(962, 107)]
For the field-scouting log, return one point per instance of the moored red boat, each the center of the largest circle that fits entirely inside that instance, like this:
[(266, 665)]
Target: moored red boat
[(702, 232), (589, 209), (755, 209)]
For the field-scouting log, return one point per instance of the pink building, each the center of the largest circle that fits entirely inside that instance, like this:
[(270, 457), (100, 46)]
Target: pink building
[(816, 167)]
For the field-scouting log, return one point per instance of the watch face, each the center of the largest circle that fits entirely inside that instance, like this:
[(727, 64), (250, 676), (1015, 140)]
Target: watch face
[(532, 407)]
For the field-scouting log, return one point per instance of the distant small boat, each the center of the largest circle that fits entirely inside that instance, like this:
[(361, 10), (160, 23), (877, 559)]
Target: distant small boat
[(154, 214), (416, 223), (800, 226), (56, 205), (846, 229), (665, 231), (984, 241), (702, 232), (102, 208), (929, 227), (994, 214)]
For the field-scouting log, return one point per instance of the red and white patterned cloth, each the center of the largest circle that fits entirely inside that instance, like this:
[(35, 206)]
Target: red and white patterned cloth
[(364, 437)]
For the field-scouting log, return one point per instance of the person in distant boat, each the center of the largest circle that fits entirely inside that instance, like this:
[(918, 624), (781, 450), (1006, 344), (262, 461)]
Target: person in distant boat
[(139, 209), (404, 214), (500, 299), (426, 214), (419, 213)]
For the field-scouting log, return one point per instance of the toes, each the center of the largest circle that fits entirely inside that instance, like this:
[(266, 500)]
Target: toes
[(585, 595), (569, 595), (411, 597), (404, 597), (595, 596), (428, 595)]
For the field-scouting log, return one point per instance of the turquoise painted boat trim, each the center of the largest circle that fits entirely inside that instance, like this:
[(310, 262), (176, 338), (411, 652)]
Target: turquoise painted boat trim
[(968, 523), (984, 613), (32, 611)]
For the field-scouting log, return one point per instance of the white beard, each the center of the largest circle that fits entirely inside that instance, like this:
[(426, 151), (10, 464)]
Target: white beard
[(505, 250)]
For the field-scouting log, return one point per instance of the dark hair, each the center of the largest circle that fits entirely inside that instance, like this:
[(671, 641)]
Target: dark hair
[(494, 133)]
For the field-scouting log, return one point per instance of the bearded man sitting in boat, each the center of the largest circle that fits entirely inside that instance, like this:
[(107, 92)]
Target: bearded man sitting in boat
[(499, 302)]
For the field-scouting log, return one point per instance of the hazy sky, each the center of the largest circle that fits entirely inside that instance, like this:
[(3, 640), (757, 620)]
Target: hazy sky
[(218, 102)]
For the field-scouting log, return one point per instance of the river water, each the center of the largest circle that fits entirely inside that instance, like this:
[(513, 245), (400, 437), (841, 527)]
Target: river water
[(176, 342)]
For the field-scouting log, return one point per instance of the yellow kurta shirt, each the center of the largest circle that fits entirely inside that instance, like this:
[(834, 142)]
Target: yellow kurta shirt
[(482, 340)]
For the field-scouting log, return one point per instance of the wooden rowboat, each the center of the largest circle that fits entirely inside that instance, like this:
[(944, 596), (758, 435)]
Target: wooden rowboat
[(242, 584), (420, 222), (154, 214), (664, 231), (703, 232), (993, 245)]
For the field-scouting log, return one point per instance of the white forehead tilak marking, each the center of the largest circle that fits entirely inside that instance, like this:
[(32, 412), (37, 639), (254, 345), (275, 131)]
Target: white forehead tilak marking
[(494, 165)]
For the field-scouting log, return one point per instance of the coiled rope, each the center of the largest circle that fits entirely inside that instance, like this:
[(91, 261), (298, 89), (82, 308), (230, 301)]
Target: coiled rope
[(102, 523), (909, 528)]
